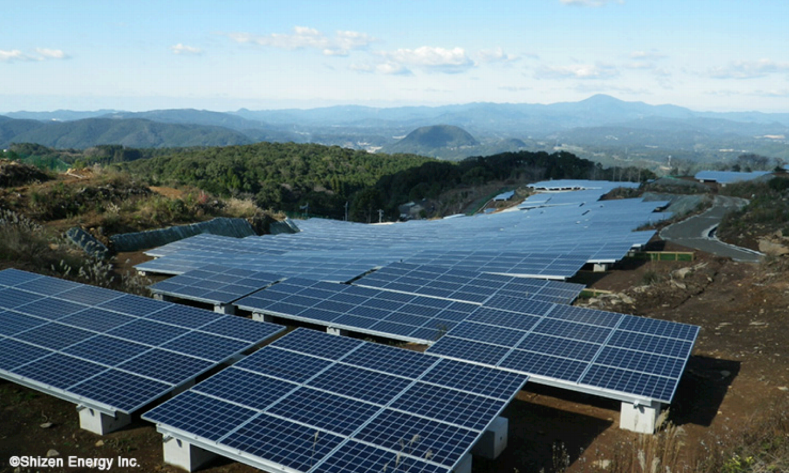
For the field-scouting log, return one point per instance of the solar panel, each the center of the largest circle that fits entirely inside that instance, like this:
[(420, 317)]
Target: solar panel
[(109, 350), (612, 355), (377, 312), (728, 177), (523, 264), (463, 285), (214, 284), (355, 406), (337, 266)]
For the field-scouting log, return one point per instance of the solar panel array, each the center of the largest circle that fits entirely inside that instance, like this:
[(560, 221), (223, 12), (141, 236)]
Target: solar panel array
[(314, 402), (107, 349), (469, 286), (614, 355), (215, 284), (728, 177), (337, 266), (554, 343), (572, 227), (522, 264), (581, 184), (406, 317)]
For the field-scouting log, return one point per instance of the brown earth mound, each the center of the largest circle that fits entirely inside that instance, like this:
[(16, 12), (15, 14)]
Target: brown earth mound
[(13, 174)]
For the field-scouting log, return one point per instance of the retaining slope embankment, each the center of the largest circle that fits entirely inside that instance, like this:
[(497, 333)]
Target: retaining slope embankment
[(232, 227)]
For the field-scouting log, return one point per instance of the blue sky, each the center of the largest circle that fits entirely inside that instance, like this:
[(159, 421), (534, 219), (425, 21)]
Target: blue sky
[(720, 55)]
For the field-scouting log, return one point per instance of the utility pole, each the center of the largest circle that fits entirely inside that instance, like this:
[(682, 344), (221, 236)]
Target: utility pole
[(346, 210), (380, 216)]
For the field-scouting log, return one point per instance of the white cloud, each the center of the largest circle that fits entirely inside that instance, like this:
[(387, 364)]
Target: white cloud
[(496, 55), (749, 69), (642, 65), (309, 38), (51, 53), (590, 88), (646, 55), (42, 54), (589, 3), (775, 93), (577, 71), (388, 68), (431, 59), (14, 55), (346, 41), (186, 50)]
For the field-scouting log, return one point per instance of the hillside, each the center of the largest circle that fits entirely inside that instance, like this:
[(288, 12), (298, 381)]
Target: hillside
[(432, 140), (600, 128), (135, 132)]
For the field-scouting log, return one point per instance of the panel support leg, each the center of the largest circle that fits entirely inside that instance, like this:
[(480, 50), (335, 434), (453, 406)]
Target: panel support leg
[(336, 331), (641, 418), (262, 317), (101, 423), (228, 309), (493, 440), (184, 455)]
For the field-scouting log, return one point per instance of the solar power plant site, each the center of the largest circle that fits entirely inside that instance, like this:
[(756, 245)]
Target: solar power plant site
[(486, 295)]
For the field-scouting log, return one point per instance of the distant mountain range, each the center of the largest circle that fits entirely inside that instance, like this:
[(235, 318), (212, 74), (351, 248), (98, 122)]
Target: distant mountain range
[(600, 127)]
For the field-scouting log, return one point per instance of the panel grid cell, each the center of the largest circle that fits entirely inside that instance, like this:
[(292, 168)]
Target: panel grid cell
[(356, 457), (106, 350), (461, 408), (324, 411), (418, 436), (59, 371), (202, 415), (14, 353), (253, 390), (282, 441), (12, 323), (367, 385), (50, 308)]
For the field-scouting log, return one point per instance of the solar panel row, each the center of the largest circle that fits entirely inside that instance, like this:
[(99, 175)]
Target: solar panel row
[(554, 342), (461, 285), (405, 317), (598, 350), (107, 349), (319, 403), (215, 284)]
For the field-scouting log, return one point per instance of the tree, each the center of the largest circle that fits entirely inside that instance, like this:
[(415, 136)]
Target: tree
[(366, 204)]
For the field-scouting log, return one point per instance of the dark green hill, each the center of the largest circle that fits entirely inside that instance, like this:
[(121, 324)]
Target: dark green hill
[(438, 136), (135, 133), (282, 176), (192, 117), (10, 128), (437, 140)]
